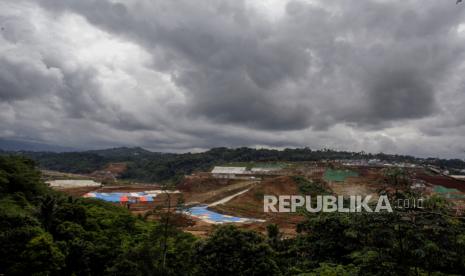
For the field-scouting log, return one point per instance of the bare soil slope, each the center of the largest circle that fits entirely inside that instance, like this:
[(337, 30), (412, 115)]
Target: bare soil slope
[(250, 204), (116, 168), (208, 189)]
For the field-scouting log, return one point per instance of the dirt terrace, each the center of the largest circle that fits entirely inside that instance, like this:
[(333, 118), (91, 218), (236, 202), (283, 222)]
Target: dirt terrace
[(250, 205), (207, 190), (445, 181)]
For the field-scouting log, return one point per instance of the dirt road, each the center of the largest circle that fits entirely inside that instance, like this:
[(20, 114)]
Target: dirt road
[(219, 194), (228, 198)]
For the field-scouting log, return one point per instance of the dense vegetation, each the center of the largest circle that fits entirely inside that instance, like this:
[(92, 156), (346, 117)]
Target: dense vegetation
[(47, 233), (149, 166)]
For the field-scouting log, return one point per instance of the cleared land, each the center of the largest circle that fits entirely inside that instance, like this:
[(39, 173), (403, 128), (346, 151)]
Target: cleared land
[(204, 189), (208, 190), (250, 204), (368, 182)]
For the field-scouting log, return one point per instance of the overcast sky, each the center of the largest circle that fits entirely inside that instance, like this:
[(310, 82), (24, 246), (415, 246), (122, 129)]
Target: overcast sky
[(183, 75)]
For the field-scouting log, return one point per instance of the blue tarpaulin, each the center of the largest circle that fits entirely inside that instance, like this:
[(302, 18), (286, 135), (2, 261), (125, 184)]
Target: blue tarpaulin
[(121, 197), (203, 213)]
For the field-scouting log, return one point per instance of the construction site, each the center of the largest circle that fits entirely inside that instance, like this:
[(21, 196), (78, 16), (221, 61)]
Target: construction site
[(234, 193)]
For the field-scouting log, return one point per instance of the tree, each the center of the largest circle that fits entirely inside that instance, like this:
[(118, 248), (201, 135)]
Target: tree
[(398, 178), (231, 251), (18, 175), (42, 256), (47, 210), (273, 235)]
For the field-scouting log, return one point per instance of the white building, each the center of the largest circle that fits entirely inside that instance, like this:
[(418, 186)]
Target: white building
[(242, 172), (229, 172)]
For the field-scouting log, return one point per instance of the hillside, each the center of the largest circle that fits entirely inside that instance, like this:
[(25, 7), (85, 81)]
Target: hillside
[(44, 232), (147, 166), (250, 204)]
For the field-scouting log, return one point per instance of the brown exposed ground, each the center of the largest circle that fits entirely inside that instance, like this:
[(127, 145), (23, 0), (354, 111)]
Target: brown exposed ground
[(200, 228), (116, 168), (208, 189), (445, 181), (77, 192), (56, 175), (203, 229), (205, 189), (201, 184), (250, 205), (368, 183)]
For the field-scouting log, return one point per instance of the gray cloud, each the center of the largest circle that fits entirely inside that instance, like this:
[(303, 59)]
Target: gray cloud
[(232, 62), (232, 65), (21, 79), (223, 73), (394, 95)]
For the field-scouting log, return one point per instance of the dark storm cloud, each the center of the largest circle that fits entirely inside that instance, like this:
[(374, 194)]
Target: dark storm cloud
[(26, 79), (399, 95), (403, 51), (233, 63), (314, 70), (235, 98), (80, 98), (79, 93), (22, 79)]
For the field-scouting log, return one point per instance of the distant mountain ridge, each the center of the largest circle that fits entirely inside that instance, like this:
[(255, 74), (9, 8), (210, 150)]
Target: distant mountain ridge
[(122, 152), (16, 145), (147, 166), (24, 145)]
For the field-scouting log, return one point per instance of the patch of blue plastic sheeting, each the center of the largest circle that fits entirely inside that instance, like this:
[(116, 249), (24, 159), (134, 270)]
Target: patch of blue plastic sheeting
[(203, 213), (117, 197)]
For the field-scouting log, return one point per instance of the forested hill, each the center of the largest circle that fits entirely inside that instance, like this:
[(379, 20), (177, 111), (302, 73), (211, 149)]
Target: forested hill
[(45, 232), (144, 165)]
